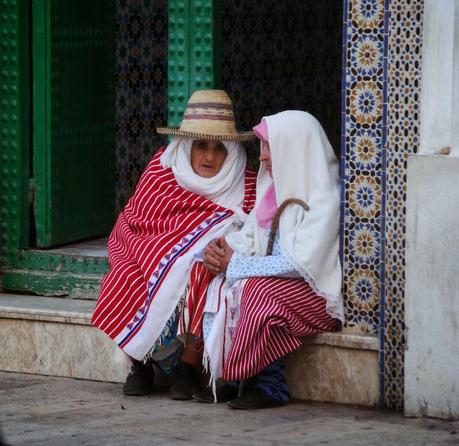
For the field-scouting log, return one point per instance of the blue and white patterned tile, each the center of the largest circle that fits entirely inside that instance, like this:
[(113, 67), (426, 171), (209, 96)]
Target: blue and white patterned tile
[(363, 153), (403, 92), (381, 126)]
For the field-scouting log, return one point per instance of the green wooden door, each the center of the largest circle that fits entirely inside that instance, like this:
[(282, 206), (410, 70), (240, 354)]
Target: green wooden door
[(73, 119)]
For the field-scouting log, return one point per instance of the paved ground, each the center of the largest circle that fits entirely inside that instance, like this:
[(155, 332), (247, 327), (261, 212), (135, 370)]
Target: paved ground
[(37, 410)]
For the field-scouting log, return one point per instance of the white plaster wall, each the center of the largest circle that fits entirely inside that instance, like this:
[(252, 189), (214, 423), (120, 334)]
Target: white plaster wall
[(455, 119), (432, 287), (440, 77)]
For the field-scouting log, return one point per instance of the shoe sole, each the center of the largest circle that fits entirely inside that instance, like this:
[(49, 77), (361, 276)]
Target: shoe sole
[(236, 406), (137, 393), (180, 398), (203, 400), (222, 397)]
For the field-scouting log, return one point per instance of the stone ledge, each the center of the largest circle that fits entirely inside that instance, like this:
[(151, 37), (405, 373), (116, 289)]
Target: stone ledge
[(345, 339), (334, 374), (53, 336), (76, 311), (46, 309)]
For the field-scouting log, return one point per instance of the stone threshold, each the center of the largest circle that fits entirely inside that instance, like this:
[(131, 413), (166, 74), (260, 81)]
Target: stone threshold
[(89, 248), (79, 311)]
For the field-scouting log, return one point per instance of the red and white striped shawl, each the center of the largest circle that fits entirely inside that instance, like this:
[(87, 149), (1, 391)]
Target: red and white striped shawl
[(151, 249)]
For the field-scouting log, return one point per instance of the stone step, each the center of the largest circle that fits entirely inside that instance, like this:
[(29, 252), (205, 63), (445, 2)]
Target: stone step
[(51, 283), (74, 270), (53, 336)]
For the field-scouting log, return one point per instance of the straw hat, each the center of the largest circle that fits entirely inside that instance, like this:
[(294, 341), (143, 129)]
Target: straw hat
[(208, 115)]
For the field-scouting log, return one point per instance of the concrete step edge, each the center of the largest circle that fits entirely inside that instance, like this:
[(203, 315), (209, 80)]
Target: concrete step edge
[(79, 311)]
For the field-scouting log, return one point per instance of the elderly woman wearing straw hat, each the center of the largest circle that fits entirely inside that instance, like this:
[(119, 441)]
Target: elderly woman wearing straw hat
[(194, 190), (283, 274)]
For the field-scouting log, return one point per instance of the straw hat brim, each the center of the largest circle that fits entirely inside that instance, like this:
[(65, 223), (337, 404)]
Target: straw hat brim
[(175, 131)]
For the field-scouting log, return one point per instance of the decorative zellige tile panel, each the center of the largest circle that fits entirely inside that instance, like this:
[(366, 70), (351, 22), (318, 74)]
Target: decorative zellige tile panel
[(280, 55), (403, 97), (363, 167), (141, 96)]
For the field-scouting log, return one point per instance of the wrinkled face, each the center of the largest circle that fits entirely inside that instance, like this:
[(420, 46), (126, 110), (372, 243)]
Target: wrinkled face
[(265, 156), (207, 157)]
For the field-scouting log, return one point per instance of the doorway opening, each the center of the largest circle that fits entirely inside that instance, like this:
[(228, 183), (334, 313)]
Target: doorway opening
[(283, 55), (100, 76)]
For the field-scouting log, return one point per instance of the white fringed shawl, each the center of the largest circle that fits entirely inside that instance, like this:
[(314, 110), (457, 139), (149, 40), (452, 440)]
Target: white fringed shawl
[(227, 188), (304, 166)]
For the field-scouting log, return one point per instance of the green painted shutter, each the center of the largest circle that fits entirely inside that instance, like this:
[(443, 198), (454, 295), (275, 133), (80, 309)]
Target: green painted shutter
[(14, 128), (193, 52), (73, 119)]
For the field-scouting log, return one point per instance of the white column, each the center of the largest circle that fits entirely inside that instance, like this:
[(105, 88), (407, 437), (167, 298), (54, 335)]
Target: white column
[(432, 287), (438, 91), (432, 231), (456, 84)]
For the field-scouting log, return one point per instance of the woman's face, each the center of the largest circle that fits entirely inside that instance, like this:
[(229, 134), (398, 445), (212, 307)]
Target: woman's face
[(207, 157), (265, 156)]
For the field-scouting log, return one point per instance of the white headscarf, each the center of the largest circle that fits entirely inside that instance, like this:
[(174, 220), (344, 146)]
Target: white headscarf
[(227, 188), (304, 166)]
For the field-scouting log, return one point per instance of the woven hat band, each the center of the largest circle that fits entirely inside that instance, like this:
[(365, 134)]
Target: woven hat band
[(216, 118), (208, 113)]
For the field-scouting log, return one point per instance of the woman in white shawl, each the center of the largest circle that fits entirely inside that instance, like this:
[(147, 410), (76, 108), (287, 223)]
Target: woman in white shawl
[(269, 302)]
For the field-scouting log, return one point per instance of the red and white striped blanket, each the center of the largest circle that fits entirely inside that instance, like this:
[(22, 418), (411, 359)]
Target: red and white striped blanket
[(151, 254), (259, 320), (274, 314)]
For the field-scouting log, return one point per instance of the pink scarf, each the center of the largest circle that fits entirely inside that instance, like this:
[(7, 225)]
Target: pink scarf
[(267, 208)]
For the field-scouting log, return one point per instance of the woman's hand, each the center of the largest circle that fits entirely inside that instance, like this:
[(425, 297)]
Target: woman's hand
[(217, 256), (225, 258), (212, 255)]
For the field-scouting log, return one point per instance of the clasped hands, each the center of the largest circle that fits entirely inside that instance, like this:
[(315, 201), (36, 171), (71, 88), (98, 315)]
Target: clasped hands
[(217, 256)]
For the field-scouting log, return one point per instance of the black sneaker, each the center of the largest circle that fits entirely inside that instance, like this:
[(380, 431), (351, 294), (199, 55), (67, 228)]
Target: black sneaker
[(225, 393), (185, 382), (140, 380), (255, 399)]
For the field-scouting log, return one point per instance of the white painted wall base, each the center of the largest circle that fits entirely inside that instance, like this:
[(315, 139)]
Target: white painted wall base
[(432, 287)]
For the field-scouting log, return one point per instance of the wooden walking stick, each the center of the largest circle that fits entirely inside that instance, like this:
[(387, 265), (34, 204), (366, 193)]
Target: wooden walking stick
[(276, 219), (272, 236)]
